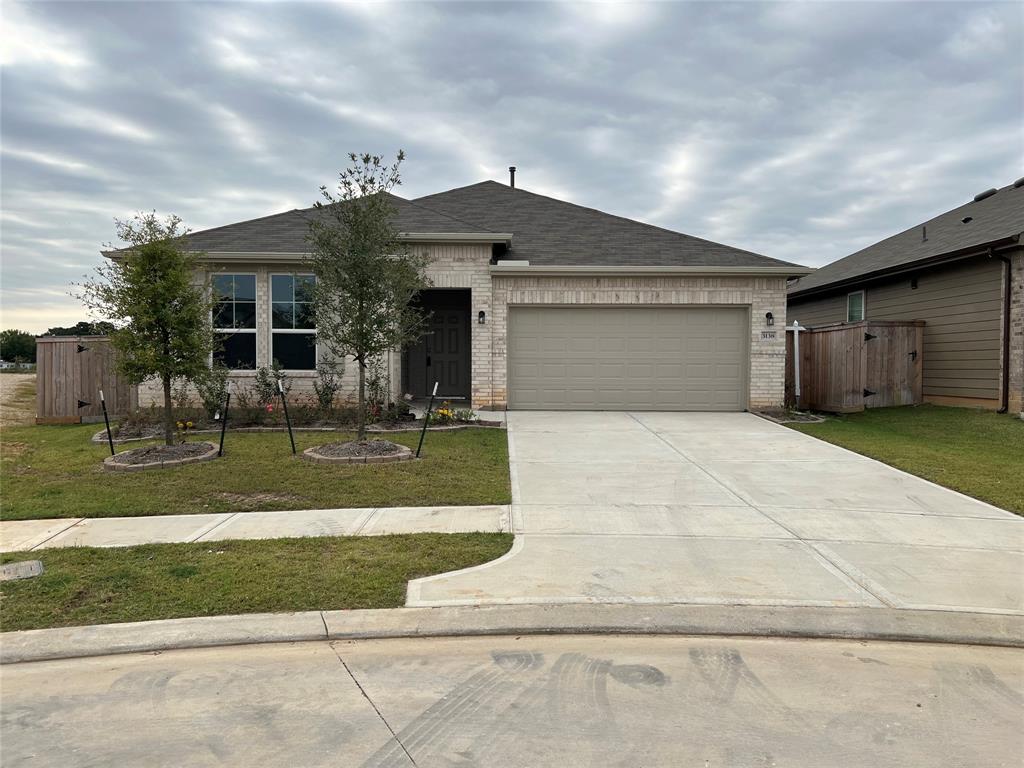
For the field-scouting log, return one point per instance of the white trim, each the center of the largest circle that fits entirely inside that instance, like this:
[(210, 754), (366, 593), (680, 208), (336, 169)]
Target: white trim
[(863, 306), (625, 271)]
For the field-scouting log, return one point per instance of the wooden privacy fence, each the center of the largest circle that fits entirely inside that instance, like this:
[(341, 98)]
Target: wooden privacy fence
[(847, 367), (70, 372)]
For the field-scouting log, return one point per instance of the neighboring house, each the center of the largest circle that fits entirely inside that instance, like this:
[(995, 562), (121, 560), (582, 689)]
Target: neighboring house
[(536, 303), (963, 273)]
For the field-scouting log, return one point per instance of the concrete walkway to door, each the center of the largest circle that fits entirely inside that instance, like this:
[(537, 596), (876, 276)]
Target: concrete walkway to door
[(729, 508)]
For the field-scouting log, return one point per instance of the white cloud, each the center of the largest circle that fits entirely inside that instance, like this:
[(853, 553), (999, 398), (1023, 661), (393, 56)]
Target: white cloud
[(983, 35), (27, 42)]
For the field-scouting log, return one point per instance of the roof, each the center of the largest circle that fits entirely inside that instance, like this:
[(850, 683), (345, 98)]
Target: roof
[(974, 225), (553, 232), (286, 232), (541, 230)]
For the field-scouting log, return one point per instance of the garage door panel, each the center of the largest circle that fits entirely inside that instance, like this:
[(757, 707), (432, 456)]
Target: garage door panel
[(617, 358)]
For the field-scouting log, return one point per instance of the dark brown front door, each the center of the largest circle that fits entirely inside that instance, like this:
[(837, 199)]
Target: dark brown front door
[(442, 355)]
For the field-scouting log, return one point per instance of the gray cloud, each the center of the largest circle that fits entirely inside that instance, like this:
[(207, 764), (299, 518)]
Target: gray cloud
[(799, 130)]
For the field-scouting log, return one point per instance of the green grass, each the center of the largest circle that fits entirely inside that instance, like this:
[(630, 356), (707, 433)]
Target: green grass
[(86, 585), (56, 472), (976, 452)]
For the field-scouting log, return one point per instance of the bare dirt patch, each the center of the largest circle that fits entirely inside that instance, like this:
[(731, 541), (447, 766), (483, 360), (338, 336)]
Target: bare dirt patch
[(256, 500), (17, 399)]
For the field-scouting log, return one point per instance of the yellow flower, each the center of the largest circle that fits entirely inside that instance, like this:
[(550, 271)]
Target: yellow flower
[(188, 424)]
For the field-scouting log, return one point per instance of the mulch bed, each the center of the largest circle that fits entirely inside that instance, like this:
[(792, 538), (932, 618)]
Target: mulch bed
[(160, 453), (365, 448)]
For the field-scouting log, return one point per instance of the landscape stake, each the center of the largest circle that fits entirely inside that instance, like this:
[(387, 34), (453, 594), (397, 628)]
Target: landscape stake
[(287, 419), (224, 423), (106, 420), (426, 420)]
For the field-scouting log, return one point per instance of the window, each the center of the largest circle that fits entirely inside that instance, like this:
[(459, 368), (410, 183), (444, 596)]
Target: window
[(293, 339), (855, 306), (234, 320)]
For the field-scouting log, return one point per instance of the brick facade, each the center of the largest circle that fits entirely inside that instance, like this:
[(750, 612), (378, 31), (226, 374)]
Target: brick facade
[(467, 266)]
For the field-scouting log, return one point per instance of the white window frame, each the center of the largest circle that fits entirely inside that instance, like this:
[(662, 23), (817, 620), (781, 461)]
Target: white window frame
[(863, 306), (253, 331), (297, 331)]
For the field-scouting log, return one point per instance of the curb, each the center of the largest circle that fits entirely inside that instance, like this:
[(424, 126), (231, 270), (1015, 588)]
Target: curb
[(878, 624)]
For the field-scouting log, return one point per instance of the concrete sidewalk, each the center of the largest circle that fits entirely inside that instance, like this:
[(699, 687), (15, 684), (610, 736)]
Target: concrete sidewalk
[(26, 535), (728, 508)]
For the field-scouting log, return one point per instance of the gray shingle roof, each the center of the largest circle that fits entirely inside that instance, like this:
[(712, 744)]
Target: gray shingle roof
[(992, 219), (544, 231), (286, 232), (552, 232)]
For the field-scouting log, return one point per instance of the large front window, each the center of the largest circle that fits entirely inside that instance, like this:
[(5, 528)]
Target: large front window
[(234, 320), (293, 335)]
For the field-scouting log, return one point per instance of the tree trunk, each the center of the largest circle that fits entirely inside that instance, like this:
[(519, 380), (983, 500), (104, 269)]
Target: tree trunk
[(168, 412), (361, 435)]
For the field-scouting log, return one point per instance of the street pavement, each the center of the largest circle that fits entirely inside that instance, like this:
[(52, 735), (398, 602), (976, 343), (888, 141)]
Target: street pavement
[(523, 701)]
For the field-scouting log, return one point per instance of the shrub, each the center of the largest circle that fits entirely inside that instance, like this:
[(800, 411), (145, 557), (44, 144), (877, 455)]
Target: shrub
[(265, 385), (326, 386), (212, 387)]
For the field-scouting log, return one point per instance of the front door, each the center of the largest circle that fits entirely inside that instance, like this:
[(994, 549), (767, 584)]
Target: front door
[(442, 355)]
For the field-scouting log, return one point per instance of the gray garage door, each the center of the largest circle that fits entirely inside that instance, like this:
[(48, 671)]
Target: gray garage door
[(628, 358)]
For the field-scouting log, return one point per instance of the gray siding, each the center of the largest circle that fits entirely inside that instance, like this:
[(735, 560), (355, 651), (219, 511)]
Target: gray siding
[(961, 305)]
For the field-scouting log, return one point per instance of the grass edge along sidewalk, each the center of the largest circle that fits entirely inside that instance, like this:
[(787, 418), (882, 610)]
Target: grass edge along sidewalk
[(88, 585)]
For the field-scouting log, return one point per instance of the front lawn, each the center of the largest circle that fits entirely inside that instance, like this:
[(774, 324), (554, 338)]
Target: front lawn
[(86, 585), (979, 453), (54, 471)]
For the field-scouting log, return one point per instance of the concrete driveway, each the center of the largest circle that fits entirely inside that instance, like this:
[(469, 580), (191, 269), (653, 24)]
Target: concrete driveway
[(730, 509)]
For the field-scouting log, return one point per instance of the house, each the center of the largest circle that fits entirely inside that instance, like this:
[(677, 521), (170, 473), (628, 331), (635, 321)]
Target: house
[(961, 272), (536, 303)]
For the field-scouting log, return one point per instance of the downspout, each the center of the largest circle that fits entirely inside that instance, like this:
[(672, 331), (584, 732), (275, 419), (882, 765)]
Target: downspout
[(1004, 395)]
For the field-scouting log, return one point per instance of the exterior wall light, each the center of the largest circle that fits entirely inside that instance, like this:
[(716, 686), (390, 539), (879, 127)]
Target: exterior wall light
[(481, 317), (769, 319)]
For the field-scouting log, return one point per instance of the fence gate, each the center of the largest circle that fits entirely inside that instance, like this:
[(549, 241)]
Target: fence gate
[(847, 367), (70, 372)]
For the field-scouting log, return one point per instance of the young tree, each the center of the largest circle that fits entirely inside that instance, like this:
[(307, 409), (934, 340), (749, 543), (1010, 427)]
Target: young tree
[(161, 317), (17, 346), (365, 276)]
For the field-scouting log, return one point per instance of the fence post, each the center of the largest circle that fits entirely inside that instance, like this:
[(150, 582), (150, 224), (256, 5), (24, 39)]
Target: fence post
[(796, 362)]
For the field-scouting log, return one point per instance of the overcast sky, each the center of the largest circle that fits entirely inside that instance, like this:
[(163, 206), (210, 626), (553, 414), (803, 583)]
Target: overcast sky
[(800, 131)]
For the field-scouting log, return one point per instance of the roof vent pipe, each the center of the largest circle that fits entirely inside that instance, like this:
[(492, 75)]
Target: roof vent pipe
[(512, 176), (924, 233)]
